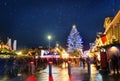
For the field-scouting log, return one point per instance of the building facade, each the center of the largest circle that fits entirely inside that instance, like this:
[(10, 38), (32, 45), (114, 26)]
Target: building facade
[(112, 32), (108, 43), (112, 29)]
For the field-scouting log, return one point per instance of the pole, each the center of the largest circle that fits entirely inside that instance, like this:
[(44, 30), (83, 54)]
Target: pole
[(49, 44), (50, 71), (89, 69), (49, 38), (89, 66), (32, 67), (50, 68), (69, 68)]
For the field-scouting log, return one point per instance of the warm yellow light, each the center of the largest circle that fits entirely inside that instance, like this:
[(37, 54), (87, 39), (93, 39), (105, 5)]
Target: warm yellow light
[(114, 49), (19, 53), (65, 55)]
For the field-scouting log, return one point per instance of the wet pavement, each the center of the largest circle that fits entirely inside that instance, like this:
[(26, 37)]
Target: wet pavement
[(61, 74)]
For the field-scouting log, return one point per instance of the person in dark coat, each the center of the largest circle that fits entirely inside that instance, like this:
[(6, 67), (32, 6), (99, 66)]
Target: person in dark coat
[(115, 63)]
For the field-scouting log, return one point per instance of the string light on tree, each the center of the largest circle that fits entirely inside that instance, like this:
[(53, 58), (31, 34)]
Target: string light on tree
[(74, 40)]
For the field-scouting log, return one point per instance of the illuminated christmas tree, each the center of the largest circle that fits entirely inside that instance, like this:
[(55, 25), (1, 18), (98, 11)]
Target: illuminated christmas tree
[(74, 40)]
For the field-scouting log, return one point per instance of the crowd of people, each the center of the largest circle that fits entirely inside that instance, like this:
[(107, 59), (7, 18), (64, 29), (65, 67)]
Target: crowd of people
[(15, 65), (112, 63)]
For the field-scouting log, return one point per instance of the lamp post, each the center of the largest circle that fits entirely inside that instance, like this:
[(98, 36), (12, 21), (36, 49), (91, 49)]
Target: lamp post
[(49, 38)]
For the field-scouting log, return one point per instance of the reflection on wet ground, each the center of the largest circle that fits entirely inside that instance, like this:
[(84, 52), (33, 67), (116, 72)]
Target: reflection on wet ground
[(61, 74), (6, 77)]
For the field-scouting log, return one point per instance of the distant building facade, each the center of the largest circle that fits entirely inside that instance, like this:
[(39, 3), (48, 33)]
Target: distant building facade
[(15, 45)]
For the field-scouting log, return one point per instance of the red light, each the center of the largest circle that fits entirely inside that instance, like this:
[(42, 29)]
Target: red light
[(31, 78), (69, 61), (50, 78), (31, 62), (50, 62), (70, 78)]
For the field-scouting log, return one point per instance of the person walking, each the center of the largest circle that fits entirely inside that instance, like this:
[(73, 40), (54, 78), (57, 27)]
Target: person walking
[(115, 63)]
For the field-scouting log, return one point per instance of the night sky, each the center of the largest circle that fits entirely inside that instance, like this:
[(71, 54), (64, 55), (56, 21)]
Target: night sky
[(30, 21)]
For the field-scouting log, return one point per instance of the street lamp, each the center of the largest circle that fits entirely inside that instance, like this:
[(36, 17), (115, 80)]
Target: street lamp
[(49, 38)]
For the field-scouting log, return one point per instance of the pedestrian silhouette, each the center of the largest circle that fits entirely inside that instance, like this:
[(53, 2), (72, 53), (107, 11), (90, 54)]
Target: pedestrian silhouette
[(115, 63)]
